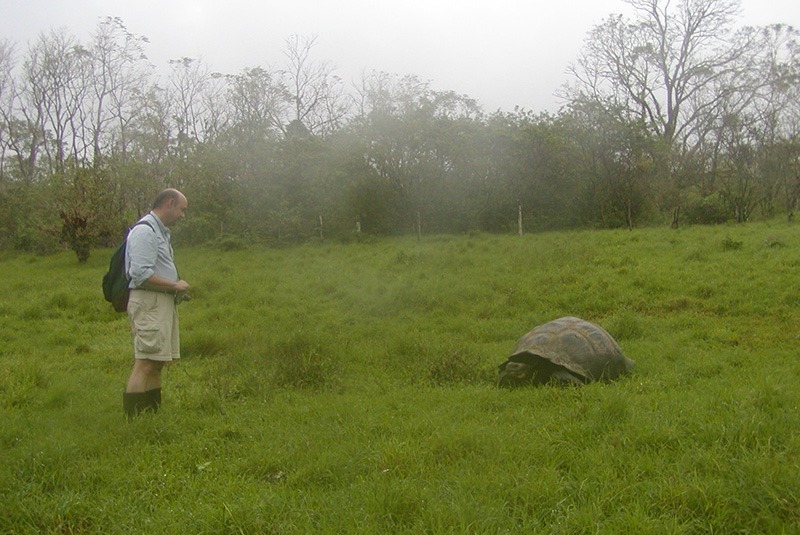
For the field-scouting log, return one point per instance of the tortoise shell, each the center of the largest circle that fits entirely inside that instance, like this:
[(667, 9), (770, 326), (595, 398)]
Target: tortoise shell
[(565, 350)]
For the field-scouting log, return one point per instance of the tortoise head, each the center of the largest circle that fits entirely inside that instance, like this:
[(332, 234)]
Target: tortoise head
[(521, 370), (515, 374)]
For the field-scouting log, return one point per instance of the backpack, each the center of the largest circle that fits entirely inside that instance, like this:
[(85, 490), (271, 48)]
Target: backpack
[(115, 281)]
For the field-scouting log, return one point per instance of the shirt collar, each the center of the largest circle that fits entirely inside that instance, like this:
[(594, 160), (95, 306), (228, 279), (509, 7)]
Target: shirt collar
[(160, 224)]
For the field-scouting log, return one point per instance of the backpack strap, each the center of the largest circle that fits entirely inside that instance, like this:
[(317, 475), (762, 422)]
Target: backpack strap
[(142, 223), (126, 241)]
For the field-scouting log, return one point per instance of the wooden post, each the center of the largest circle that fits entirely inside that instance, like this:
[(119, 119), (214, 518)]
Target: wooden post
[(519, 220), (419, 225), (321, 227), (358, 226)]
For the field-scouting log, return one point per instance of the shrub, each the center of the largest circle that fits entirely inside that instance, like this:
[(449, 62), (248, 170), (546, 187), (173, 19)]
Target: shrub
[(36, 240), (774, 242), (195, 230), (729, 244), (706, 211)]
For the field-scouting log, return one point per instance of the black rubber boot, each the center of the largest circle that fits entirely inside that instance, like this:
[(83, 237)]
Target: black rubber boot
[(134, 403), (154, 399)]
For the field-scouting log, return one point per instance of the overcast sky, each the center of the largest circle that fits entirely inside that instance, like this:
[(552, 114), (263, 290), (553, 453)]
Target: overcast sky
[(504, 53)]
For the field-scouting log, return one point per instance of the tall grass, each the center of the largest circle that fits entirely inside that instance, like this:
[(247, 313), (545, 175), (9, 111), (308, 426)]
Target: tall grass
[(349, 388)]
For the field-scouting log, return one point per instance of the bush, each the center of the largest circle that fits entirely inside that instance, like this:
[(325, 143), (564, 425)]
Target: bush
[(38, 241), (195, 230), (774, 242), (729, 244), (706, 211)]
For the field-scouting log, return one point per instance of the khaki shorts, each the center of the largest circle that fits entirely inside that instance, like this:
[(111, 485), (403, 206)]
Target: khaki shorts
[(154, 325)]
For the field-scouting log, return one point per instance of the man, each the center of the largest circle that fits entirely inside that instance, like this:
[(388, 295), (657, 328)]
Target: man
[(155, 290)]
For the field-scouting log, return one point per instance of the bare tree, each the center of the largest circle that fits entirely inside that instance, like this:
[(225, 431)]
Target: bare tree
[(773, 118), (187, 84), (656, 66), (53, 93), (259, 102), (672, 67), (119, 72), (7, 98), (316, 94)]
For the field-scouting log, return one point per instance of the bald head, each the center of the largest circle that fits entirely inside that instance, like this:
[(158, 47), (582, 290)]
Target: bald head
[(170, 206), (165, 196)]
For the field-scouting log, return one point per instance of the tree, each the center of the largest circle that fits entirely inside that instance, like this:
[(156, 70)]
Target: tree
[(55, 87), (118, 74), (670, 67), (785, 157), (615, 162), (531, 165), (772, 120), (188, 81), (315, 93), (412, 137), (259, 103), (7, 97)]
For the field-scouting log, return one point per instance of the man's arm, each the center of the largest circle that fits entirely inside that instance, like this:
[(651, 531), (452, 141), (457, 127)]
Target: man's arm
[(141, 254), (160, 284)]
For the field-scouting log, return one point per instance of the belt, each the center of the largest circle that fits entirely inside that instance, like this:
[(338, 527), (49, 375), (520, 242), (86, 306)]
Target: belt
[(165, 292)]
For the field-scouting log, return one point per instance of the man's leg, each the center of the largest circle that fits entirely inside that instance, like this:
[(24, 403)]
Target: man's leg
[(146, 375), (144, 387)]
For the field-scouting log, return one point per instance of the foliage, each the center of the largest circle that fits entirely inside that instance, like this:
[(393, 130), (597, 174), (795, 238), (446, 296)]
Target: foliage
[(75, 234), (703, 89), (708, 210), (673, 113)]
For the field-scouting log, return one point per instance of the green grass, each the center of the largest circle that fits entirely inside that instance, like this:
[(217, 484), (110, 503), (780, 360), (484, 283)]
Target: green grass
[(349, 388)]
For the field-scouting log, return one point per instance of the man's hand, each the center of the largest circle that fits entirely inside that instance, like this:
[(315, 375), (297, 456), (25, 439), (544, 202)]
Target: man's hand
[(181, 287), (158, 284)]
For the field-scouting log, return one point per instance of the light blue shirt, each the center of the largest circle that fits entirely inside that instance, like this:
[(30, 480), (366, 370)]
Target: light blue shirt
[(148, 252)]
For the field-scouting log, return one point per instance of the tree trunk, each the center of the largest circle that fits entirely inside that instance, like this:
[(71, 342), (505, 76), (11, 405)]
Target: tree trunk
[(676, 213), (629, 216)]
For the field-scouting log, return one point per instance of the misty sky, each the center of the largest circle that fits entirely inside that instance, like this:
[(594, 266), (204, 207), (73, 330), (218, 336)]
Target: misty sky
[(504, 53)]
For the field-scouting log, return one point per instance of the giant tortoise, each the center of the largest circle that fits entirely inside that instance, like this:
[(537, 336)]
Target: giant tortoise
[(566, 351)]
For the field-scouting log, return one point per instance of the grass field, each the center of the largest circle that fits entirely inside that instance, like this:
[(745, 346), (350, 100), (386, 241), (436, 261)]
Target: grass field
[(349, 388)]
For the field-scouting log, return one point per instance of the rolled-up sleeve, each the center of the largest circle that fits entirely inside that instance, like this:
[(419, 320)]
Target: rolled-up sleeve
[(141, 253)]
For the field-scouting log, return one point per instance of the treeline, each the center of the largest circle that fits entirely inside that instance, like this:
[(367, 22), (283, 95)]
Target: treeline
[(674, 116)]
